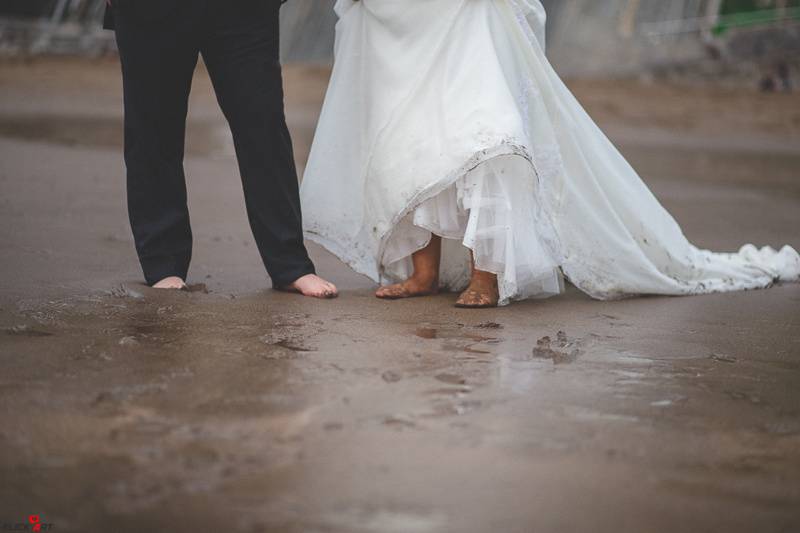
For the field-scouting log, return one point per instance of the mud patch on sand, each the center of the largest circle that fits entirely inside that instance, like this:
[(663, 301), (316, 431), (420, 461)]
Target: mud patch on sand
[(561, 351)]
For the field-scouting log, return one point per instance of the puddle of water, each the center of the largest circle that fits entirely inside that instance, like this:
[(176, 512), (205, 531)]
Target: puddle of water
[(467, 349), (26, 331), (591, 415), (426, 332), (661, 403), (449, 391), (452, 379), (386, 520), (458, 339), (445, 409), (399, 422)]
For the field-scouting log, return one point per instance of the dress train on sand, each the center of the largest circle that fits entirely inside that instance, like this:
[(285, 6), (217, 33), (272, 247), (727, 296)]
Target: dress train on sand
[(445, 117)]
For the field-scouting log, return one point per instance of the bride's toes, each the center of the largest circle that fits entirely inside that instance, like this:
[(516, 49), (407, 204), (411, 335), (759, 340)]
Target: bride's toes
[(408, 289), (477, 299), (392, 292)]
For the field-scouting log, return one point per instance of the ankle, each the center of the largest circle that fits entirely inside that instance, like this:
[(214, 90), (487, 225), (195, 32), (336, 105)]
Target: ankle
[(427, 279), (480, 277)]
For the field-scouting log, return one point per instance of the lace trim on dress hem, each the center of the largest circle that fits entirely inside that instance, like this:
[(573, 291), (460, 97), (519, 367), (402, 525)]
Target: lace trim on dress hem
[(320, 235)]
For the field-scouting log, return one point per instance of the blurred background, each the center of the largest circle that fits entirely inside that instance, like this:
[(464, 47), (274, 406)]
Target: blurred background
[(740, 39)]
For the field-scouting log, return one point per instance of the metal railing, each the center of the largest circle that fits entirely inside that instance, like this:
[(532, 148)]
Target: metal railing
[(70, 27), (720, 25)]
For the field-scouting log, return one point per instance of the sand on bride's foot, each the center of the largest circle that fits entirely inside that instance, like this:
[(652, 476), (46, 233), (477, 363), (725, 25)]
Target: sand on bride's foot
[(410, 288), (482, 292)]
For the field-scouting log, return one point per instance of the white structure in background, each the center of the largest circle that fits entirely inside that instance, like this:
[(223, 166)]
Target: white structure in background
[(623, 36), (62, 27), (586, 37)]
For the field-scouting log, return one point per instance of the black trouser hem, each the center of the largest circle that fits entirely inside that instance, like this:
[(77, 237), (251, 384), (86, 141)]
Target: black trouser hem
[(290, 275), (157, 268)]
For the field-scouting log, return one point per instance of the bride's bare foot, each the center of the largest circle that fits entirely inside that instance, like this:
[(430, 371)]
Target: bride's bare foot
[(172, 282), (313, 286), (410, 288), (425, 279), (481, 293)]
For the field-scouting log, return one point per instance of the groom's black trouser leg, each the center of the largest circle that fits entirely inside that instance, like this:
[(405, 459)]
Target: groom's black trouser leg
[(241, 51), (239, 42), (158, 61)]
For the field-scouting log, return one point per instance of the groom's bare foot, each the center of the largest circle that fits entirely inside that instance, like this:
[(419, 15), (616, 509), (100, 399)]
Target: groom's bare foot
[(314, 286), (172, 282), (481, 293), (410, 288)]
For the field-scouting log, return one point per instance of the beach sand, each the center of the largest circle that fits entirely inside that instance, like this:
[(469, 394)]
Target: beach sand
[(236, 408)]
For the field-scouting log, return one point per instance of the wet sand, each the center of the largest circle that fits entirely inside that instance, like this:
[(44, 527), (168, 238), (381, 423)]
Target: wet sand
[(236, 408)]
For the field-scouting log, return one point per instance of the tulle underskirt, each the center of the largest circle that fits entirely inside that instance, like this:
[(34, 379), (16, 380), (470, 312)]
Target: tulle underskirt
[(491, 211)]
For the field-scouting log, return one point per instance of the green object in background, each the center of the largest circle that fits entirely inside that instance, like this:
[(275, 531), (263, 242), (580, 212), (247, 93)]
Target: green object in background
[(754, 13)]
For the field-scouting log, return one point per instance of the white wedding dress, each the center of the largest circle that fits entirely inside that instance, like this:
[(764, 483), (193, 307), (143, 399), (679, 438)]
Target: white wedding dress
[(445, 117)]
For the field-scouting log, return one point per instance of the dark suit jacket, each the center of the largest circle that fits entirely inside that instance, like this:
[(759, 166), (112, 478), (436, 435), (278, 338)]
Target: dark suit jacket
[(108, 19), (144, 6)]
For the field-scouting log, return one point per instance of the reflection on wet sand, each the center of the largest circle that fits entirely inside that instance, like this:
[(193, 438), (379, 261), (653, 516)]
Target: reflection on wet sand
[(186, 396)]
